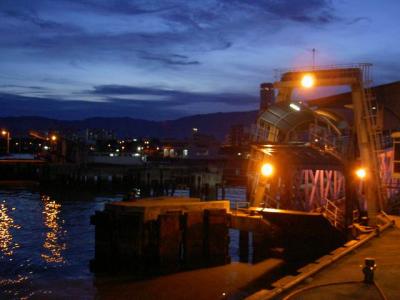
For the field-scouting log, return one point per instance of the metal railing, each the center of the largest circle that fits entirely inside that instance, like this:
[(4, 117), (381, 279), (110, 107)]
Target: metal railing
[(333, 213), (238, 205)]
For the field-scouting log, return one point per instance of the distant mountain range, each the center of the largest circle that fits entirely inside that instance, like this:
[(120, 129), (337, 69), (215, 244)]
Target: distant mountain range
[(217, 124)]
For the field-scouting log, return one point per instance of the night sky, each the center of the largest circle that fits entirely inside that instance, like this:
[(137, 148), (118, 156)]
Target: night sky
[(166, 59)]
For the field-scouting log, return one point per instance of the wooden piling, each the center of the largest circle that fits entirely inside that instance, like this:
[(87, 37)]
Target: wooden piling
[(217, 236), (193, 239), (169, 241)]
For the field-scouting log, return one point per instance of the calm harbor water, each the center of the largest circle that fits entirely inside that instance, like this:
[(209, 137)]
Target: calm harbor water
[(46, 243)]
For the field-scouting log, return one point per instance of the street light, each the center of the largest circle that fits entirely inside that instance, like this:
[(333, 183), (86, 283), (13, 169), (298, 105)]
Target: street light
[(361, 173), (53, 138), (308, 81), (7, 136), (267, 170)]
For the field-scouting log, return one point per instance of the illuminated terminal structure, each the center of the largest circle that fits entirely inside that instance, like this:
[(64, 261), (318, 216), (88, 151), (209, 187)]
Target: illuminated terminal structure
[(326, 158)]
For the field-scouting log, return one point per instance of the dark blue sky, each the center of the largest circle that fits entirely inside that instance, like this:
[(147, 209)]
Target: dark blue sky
[(165, 59)]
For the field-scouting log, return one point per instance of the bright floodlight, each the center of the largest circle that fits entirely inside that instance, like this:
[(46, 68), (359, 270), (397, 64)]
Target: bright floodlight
[(267, 170), (307, 81), (361, 173)]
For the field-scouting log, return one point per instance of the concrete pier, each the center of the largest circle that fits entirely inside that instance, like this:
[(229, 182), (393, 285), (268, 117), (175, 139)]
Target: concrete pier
[(339, 274), (160, 235)]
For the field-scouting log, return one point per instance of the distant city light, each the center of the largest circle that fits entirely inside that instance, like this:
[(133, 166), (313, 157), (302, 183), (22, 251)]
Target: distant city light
[(308, 81), (3, 132), (54, 138), (294, 106), (46, 147)]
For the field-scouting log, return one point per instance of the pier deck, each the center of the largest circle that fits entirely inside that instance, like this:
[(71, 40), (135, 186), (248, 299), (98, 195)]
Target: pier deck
[(385, 249)]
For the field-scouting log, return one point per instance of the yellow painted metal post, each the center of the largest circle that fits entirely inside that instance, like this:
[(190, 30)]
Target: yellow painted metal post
[(365, 154)]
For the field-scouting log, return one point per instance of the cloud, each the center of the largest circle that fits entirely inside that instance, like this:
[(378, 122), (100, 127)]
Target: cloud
[(172, 104), (180, 60), (124, 7), (153, 57), (308, 12), (358, 20), (175, 97)]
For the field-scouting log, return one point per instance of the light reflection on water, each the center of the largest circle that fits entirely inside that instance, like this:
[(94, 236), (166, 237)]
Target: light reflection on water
[(53, 244), (7, 245), (46, 243)]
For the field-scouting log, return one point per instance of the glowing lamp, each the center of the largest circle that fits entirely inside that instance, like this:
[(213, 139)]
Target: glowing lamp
[(54, 138), (267, 170), (307, 81), (361, 173), (3, 132)]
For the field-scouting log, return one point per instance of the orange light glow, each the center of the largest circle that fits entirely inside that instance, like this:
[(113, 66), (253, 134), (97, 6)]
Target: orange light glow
[(54, 138), (3, 132), (308, 81), (267, 170), (361, 173)]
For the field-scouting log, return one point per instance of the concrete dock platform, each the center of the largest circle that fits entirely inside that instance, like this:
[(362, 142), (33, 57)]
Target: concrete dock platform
[(160, 235), (385, 249)]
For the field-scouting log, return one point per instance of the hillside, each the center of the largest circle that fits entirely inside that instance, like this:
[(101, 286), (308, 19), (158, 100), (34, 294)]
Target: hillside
[(217, 124)]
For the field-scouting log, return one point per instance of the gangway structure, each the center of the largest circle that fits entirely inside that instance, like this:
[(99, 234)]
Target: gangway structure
[(348, 144)]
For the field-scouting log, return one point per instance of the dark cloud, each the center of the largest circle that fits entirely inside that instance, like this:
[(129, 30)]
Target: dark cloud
[(125, 7), (358, 20), (309, 12), (174, 97), (110, 105), (171, 60), (22, 87), (15, 105), (114, 89), (74, 48), (31, 17)]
